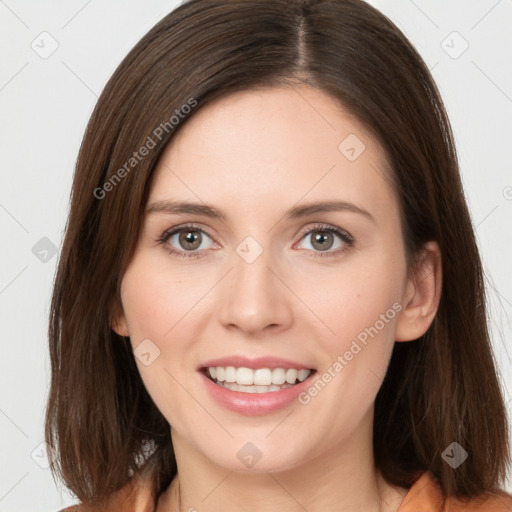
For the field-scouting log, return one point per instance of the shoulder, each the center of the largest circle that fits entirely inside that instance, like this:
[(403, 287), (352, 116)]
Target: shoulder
[(496, 502), (426, 496), (137, 496)]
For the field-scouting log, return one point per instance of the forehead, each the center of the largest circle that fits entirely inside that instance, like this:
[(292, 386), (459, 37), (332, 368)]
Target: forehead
[(273, 146)]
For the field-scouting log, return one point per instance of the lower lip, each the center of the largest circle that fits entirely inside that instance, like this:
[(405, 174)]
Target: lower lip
[(254, 404)]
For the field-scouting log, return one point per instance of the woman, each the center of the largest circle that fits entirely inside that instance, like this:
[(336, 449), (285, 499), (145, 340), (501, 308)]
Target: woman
[(269, 294)]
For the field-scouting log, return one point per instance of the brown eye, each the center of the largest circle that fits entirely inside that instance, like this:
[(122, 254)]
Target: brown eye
[(327, 241), (322, 240), (190, 239), (187, 241)]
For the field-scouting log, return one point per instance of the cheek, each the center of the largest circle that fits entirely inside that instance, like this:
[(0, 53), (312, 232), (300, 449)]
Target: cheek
[(159, 306), (360, 305), (361, 308), (154, 300), (357, 298), (156, 307)]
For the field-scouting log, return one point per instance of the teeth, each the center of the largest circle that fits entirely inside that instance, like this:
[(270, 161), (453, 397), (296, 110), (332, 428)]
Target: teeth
[(291, 376), (233, 386), (230, 374), (303, 374), (261, 377), (244, 376)]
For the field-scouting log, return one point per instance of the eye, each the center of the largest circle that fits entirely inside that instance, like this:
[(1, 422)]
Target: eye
[(323, 238), (188, 240)]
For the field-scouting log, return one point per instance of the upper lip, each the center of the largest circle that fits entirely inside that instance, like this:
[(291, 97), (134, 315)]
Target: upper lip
[(255, 363)]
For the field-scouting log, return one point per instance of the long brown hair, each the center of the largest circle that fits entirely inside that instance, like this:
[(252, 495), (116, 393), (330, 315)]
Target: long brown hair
[(439, 389)]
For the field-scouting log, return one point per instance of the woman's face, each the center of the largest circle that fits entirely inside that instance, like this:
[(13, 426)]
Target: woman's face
[(268, 280)]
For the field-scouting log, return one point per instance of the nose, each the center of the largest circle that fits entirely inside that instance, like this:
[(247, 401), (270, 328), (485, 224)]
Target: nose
[(254, 299)]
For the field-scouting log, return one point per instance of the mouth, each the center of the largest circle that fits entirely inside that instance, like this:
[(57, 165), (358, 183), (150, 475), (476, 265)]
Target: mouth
[(261, 380)]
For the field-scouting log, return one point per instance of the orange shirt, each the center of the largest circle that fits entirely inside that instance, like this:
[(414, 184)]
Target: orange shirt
[(424, 496)]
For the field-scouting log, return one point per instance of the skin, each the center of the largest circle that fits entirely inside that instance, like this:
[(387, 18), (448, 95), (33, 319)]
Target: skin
[(255, 154)]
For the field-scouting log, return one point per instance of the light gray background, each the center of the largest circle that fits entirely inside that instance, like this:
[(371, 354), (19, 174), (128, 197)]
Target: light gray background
[(46, 102)]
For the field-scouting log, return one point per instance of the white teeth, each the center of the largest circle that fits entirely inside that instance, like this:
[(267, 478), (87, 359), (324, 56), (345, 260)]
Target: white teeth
[(263, 377), (278, 376), (244, 376), (303, 374), (291, 376), (230, 374), (260, 377), (233, 386)]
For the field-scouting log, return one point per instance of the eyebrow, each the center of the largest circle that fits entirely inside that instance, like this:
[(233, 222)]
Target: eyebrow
[(304, 210)]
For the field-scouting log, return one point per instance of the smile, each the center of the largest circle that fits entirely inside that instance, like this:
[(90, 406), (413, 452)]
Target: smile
[(260, 380)]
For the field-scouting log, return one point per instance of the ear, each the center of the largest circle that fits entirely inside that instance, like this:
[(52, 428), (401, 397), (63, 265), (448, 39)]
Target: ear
[(422, 294), (118, 321)]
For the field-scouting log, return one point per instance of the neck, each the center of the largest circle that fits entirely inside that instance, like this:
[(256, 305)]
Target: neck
[(343, 479)]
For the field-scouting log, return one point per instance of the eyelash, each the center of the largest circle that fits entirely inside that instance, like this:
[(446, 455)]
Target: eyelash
[(324, 228)]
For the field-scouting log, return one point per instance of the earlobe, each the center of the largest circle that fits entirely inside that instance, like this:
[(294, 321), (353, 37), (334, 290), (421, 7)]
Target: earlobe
[(118, 321), (422, 294), (120, 327)]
